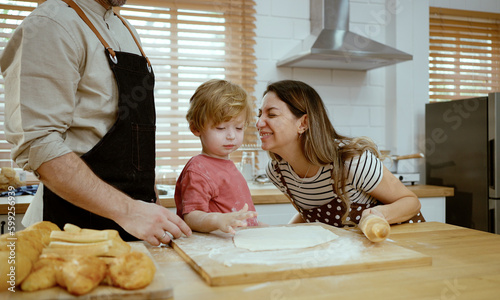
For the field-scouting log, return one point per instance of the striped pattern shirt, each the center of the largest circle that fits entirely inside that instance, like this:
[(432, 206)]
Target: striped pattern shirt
[(364, 174)]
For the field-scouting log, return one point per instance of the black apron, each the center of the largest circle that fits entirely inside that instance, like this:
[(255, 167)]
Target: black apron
[(125, 156)]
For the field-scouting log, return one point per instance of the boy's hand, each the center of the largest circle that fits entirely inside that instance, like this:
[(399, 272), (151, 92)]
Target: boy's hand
[(228, 221), (207, 222)]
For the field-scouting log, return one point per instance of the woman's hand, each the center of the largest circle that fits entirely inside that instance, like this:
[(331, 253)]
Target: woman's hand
[(400, 204), (373, 211)]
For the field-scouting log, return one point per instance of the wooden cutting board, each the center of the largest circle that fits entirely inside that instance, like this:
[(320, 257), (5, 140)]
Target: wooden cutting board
[(157, 289), (219, 262)]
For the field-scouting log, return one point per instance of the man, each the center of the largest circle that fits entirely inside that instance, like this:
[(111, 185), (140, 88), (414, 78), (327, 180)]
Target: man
[(80, 114)]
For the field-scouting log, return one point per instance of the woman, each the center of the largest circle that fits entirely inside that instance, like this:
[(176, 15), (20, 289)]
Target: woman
[(328, 177)]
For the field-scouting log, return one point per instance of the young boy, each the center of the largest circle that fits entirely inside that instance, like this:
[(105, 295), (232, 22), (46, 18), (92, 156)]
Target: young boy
[(211, 193)]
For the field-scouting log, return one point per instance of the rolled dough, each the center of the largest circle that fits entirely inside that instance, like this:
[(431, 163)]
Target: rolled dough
[(278, 238)]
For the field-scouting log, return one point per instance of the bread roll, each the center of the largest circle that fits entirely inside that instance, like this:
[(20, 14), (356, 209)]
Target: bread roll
[(81, 274), (8, 172), (131, 271), (44, 229), (43, 273), (44, 225), (375, 228), (9, 277), (25, 244)]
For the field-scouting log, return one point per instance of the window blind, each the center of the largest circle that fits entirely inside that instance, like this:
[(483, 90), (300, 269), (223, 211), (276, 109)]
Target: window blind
[(12, 14), (464, 54), (188, 43)]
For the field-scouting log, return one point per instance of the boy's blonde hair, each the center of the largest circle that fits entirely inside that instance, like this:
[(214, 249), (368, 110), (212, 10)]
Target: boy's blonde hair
[(218, 101)]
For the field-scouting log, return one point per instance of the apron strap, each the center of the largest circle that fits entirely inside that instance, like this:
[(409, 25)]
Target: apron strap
[(287, 191), (85, 19), (135, 39), (91, 26)]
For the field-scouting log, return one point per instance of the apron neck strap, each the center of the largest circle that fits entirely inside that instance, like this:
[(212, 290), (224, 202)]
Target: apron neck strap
[(85, 19), (133, 36)]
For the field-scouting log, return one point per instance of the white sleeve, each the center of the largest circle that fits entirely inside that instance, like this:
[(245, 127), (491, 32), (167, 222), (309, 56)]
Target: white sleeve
[(365, 171)]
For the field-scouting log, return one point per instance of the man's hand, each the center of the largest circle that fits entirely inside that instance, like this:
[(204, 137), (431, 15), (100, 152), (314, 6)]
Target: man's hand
[(150, 221), (69, 177)]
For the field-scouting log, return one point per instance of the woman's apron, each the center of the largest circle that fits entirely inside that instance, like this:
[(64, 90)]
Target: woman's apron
[(332, 212), (125, 156)]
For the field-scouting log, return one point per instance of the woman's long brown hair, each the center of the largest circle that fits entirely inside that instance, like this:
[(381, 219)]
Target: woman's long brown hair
[(321, 144)]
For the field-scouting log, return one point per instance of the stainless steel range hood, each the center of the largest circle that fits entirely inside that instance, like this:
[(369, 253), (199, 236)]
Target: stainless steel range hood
[(332, 46)]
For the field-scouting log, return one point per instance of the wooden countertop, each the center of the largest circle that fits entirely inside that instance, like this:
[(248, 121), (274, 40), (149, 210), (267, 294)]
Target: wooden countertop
[(271, 195), (267, 194), (465, 265)]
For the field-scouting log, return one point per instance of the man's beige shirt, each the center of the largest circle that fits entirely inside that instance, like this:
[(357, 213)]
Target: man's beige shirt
[(60, 93)]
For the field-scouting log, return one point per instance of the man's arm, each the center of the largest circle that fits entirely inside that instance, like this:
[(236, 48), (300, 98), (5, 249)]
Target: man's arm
[(69, 177)]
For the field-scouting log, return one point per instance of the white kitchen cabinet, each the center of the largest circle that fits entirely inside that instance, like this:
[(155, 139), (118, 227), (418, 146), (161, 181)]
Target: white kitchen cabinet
[(434, 209), (275, 214)]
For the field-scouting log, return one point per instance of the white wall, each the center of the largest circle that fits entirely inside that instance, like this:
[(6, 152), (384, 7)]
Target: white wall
[(379, 103), (386, 104)]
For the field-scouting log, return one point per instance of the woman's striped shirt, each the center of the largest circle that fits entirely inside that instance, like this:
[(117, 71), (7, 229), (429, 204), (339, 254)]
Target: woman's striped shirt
[(364, 174)]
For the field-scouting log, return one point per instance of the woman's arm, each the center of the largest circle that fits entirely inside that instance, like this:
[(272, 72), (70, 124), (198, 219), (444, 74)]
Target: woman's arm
[(206, 222), (296, 219), (400, 203)]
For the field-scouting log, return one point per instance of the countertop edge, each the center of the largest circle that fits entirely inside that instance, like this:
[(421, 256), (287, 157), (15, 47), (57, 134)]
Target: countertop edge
[(260, 196), (274, 196)]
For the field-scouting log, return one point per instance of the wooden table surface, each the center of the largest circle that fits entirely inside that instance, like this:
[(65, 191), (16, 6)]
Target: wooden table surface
[(465, 265)]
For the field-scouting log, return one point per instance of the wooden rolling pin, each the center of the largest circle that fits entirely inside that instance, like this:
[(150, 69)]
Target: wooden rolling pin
[(375, 228)]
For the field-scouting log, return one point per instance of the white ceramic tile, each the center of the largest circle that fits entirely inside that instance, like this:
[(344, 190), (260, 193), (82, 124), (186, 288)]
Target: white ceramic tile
[(349, 78), (274, 27), (282, 47), (377, 77), (367, 13), (290, 8), (374, 133), (350, 115), (377, 116), (263, 48), (368, 95), (263, 8), (301, 29), (268, 72), (333, 95), (313, 76)]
